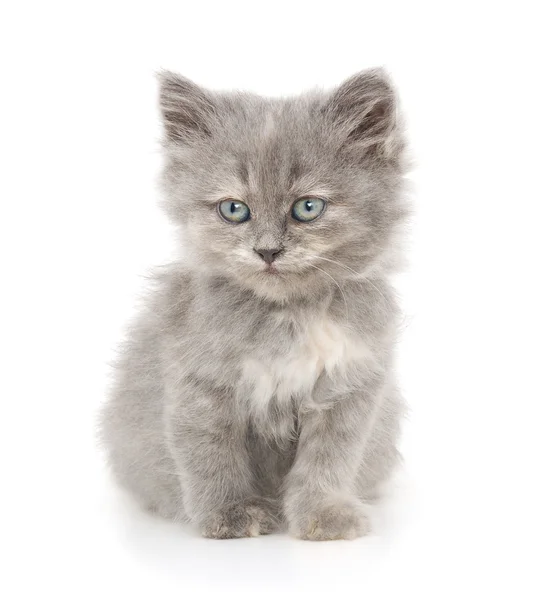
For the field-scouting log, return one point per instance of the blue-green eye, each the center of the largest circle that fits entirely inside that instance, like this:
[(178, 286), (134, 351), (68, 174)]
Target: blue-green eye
[(234, 211), (308, 209)]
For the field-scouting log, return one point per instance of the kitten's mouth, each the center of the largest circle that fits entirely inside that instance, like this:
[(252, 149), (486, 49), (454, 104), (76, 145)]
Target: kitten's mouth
[(271, 269)]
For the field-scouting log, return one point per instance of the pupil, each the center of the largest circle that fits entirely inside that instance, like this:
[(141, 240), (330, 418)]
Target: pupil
[(309, 205), (233, 207)]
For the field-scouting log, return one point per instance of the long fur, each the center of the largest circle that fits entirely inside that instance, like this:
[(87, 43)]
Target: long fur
[(248, 400)]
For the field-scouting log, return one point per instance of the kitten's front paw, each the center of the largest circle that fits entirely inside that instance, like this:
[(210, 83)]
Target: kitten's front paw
[(254, 517), (332, 520)]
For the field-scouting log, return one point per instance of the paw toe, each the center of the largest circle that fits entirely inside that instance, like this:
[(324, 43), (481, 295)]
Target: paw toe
[(249, 519), (336, 521)]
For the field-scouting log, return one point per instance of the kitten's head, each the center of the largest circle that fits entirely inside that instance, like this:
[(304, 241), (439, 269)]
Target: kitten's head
[(284, 196)]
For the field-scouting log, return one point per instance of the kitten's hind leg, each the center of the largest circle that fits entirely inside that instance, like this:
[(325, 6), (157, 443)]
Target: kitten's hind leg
[(381, 456), (137, 455)]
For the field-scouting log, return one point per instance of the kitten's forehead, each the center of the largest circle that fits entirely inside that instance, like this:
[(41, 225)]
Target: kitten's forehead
[(269, 125), (277, 152)]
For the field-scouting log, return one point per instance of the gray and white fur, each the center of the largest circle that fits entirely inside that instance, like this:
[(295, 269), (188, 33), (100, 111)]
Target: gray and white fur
[(253, 395)]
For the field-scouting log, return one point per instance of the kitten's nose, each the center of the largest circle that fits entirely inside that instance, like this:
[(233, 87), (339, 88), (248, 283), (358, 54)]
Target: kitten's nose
[(268, 254)]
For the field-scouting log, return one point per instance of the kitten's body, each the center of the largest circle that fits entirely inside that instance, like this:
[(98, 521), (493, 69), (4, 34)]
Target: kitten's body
[(245, 399)]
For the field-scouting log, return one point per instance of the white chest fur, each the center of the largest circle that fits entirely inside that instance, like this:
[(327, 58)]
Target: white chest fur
[(323, 346)]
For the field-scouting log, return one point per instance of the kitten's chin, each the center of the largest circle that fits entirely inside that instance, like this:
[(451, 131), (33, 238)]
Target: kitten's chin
[(278, 286)]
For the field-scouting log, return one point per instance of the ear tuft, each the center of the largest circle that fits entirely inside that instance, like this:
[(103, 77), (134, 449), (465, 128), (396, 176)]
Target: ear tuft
[(187, 110), (364, 108)]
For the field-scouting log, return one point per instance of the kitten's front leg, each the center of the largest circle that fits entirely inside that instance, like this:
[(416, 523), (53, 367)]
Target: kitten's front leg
[(320, 503), (207, 440)]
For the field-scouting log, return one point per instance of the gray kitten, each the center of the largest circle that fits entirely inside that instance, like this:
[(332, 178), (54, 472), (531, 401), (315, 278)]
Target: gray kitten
[(256, 388)]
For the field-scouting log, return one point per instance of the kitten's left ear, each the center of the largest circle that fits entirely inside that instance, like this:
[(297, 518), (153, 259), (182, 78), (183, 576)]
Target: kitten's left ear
[(364, 110)]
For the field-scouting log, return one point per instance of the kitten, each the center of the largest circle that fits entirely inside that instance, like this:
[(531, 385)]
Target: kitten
[(256, 389)]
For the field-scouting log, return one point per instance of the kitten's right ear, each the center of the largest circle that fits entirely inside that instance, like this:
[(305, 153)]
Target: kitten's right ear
[(187, 109)]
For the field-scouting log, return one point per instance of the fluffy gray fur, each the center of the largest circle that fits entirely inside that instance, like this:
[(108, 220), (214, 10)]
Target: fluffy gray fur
[(250, 398)]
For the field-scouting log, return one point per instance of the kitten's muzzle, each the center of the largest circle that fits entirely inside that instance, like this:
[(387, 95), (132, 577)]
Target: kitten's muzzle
[(268, 254)]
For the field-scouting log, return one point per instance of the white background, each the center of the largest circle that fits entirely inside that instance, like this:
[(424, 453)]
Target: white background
[(79, 228)]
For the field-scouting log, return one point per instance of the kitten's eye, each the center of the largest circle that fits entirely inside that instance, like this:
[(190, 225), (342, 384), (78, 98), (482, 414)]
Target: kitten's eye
[(308, 209), (234, 211)]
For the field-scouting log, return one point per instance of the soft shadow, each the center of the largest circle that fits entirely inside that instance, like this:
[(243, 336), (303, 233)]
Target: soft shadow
[(179, 551)]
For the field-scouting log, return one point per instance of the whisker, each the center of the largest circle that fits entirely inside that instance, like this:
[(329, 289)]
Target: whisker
[(376, 289), (339, 288), (352, 271), (335, 262)]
